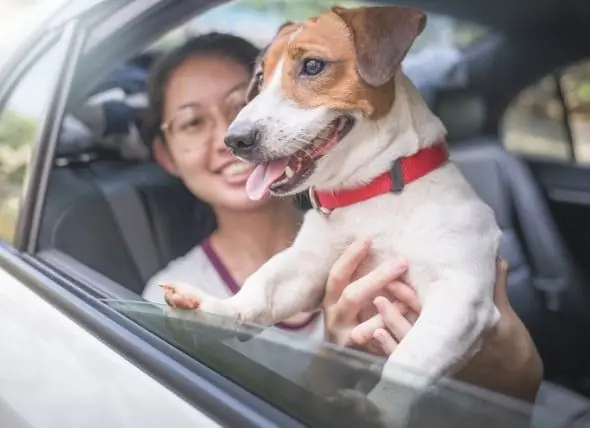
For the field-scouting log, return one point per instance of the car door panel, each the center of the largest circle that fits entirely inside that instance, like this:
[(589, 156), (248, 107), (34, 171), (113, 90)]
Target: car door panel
[(54, 373)]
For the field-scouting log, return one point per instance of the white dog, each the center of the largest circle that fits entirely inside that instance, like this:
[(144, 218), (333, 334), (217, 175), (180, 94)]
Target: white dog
[(330, 110)]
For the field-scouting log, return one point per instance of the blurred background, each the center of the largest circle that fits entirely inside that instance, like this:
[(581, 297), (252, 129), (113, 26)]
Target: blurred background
[(18, 18)]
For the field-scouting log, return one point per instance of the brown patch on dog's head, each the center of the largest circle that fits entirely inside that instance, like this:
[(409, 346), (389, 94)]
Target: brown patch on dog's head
[(360, 51), (256, 82)]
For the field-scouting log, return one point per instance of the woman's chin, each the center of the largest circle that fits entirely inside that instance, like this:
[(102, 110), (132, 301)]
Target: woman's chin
[(235, 197)]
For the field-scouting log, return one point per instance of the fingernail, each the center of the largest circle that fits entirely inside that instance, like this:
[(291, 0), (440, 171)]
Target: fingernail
[(401, 264), (378, 302), (364, 242), (379, 336)]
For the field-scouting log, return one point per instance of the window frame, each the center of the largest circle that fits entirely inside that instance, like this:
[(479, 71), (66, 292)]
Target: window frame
[(61, 38), (557, 76)]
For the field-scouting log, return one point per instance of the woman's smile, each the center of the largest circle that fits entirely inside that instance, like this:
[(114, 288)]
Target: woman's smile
[(236, 173)]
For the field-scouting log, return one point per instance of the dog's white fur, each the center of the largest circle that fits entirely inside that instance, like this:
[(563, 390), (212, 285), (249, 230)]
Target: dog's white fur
[(447, 235)]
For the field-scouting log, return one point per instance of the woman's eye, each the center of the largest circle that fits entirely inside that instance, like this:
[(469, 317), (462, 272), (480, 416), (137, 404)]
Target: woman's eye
[(190, 125), (312, 67), (233, 110)]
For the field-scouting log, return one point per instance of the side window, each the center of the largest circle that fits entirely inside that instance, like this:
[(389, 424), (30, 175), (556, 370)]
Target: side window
[(551, 118), (21, 120)]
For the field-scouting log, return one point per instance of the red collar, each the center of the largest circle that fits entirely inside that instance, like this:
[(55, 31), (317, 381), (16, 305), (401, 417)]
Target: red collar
[(403, 171)]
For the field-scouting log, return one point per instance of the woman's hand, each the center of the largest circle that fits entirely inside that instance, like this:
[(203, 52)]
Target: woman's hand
[(359, 312)]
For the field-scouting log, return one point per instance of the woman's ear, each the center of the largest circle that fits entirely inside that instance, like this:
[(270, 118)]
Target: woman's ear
[(163, 157)]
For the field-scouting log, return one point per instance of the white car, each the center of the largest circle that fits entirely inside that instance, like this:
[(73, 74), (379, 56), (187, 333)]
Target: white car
[(85, 221)]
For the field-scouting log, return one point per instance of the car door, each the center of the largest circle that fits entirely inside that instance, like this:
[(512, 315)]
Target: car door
[(53, 371), (548, 123)]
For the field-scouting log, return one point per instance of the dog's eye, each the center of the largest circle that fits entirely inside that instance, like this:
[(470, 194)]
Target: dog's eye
[(259, 79), (312, 67), (255, 86)]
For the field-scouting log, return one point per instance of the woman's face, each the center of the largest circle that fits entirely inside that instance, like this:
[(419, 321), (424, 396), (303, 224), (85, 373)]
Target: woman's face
[(201, 99)]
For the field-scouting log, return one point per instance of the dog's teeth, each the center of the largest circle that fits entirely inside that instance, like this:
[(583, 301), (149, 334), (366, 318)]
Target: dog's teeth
[(289, 172), (341, 124), (279, 183)]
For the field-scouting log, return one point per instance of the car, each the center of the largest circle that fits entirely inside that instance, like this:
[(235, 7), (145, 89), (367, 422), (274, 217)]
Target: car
[(86, 219)]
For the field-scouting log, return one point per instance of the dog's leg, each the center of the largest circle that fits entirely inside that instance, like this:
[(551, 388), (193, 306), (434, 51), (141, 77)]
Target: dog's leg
[(448, 332), (290, 282)]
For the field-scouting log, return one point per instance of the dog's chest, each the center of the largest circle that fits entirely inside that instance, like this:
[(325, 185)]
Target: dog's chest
[(386, 222), (428, 225)]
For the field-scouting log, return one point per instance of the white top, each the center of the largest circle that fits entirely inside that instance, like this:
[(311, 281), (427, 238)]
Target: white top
[(202, 266)]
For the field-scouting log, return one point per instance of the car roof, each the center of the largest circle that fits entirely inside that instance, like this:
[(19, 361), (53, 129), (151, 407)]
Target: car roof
[(510, 15)]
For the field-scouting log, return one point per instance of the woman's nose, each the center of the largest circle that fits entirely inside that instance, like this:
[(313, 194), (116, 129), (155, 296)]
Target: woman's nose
[(221, 126)]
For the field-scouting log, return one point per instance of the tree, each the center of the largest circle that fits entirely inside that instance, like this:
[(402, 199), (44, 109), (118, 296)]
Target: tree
[(16, 129)]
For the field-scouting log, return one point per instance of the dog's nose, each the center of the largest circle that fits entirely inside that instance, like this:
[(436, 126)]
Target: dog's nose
[(241, 139)]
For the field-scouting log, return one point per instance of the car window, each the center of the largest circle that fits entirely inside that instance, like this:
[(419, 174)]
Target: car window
[(241, 16), (227, 348), (551, 118), (21, 120)]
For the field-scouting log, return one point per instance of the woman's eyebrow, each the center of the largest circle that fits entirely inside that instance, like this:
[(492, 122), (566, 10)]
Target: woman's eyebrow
[(187, 105), (239, 86)]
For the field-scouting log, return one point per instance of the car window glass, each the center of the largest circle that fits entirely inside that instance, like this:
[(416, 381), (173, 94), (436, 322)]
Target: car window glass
[(241, 16), (20, 123), (226, 347), (575, 81), (540, 122)]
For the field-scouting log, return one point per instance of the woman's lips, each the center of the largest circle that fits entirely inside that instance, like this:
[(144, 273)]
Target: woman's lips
[(237, 172)]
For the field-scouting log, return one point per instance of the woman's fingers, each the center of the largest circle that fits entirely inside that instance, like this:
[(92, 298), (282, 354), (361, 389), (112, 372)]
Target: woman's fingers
[(406, 295), (385, 341), (500, 292), (343, 270), (392, 318), (362, 334), (361, 291)]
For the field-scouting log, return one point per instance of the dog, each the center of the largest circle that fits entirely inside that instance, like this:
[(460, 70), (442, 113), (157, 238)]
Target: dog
[(329, 111)]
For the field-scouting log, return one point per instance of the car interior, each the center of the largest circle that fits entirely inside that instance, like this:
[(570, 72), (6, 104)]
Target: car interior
[(113, 210)]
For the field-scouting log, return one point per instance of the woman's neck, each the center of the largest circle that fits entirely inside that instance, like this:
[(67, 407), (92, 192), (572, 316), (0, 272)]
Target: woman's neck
[(246, 240)]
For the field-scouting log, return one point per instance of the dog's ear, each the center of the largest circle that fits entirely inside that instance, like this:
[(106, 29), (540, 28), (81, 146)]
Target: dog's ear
[(283, 26), (382, 37), (256, 81)]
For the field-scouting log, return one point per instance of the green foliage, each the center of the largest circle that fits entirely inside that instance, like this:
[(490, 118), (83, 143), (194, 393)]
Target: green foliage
[(296, 9), (16, 130)]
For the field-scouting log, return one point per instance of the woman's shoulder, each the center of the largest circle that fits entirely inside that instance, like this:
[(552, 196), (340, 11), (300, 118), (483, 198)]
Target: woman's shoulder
[(194, 268)]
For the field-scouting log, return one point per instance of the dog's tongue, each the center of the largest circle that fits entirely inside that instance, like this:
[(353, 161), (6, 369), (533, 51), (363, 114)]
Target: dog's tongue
[(263, 176)]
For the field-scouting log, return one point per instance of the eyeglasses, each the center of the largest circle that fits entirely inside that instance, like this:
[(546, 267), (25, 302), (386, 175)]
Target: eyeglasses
[(192, 126)]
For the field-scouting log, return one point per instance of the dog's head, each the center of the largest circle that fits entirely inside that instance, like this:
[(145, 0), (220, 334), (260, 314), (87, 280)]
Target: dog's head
[(313, 85)]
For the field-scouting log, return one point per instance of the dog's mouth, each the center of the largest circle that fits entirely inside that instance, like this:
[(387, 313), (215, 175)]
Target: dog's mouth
[(284, 174)]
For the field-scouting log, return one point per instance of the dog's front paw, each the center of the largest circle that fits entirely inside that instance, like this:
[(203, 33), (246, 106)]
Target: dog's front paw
[(180, 296), (356, 409)]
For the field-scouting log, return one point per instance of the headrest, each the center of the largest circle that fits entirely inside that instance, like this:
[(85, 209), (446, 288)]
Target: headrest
[(461, 110), (111, 120)]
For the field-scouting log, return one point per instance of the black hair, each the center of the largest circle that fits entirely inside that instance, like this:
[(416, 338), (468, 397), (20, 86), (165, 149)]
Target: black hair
[(224, 45)]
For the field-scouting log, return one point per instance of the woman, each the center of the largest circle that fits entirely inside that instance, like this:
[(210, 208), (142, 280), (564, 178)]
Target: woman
[(195, 92)]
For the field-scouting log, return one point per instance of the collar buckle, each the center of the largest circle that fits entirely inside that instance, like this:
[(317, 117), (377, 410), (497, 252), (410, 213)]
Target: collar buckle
[(397, 176), (316, 204)]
